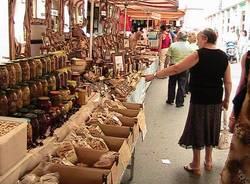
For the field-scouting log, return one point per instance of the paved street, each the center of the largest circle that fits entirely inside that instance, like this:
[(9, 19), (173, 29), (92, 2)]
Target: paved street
[(165, 124)]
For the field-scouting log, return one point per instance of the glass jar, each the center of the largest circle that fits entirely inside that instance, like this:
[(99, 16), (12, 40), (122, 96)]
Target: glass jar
[(43, 125), (60, 61), (32, 65), (18, 72), (54, 116), (63, 113), (17, 115), (53, 63), (57, 62), (26, 94), (33, 90), (39, 67), (48, 64), (23, 110), (45, 86), (39, 86), (33, 121), (64, 60), (70, 105), (65, 93), (54, 82), (4, 77), (12, 74), (51, 82), (59, 80), (3, 104), (44, 63), (12, 100), (76, 76), (66, 106), (65, 78), (19, 93), (56, 97), (25, 70), (69, 72), (44, 103)]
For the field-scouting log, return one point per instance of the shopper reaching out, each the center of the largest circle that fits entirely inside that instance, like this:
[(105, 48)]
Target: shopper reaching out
[(209, 69)]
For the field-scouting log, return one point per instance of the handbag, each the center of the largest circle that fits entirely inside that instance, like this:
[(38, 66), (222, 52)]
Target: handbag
[(225, 135)]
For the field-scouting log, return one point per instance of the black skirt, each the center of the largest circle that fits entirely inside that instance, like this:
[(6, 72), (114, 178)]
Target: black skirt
[(202, 126)]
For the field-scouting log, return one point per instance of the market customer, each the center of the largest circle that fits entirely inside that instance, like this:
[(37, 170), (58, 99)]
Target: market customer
[(178, 51), (240, 125), (164, 43), (209, 69), (192, 39)]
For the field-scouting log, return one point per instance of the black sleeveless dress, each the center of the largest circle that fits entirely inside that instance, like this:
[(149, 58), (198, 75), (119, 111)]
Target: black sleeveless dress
[(206, 85)]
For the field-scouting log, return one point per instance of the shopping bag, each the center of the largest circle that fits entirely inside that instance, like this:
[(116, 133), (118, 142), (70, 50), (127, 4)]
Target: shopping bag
[(225, 135)]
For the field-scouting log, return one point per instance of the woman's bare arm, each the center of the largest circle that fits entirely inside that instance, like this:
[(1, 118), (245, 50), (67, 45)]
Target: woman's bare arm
[(186, 63), (228, 87)]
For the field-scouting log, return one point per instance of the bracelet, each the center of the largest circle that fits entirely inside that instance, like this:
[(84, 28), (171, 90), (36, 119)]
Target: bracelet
[(155, 75)]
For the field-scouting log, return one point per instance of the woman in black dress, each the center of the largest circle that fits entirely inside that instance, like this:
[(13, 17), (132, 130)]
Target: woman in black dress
[(209, 70)]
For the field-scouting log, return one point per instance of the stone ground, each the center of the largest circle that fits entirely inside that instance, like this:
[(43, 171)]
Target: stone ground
[(165, 125)]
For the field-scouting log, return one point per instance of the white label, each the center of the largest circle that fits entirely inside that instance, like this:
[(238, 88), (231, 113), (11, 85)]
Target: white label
[(115, 118)]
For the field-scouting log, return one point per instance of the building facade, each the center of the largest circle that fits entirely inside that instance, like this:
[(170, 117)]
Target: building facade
[(230, 14)]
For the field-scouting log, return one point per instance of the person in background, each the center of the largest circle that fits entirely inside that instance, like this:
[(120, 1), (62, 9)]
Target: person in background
[(144, 35), (243, 42), (237, 167), (134, 37), (177, 51), (241, 90), (209, 69), (165, 41), (192, 41)]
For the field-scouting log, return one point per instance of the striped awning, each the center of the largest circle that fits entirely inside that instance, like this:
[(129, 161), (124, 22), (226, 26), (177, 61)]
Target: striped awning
[(141, 9)]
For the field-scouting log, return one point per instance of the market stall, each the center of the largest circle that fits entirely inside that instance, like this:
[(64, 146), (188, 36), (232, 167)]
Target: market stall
[(71, 105)]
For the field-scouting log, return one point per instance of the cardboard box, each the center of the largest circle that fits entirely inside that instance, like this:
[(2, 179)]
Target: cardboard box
[(142, 123), (121, 146), (81, 175), (90, 156), (127, 121), (121, 132), (133, 106), (13, 145), (132, 123), (126, 112)]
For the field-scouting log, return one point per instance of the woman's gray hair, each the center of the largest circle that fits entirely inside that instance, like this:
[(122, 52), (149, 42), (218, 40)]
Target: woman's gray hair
[(182, 35)]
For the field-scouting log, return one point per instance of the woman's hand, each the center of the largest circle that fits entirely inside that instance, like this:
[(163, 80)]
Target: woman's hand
[(149, 77)]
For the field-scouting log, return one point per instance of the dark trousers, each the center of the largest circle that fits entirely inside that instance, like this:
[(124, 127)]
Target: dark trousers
[(181, 79)]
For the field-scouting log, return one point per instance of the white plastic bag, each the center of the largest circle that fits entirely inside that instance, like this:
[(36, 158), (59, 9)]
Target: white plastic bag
[(225, 135)]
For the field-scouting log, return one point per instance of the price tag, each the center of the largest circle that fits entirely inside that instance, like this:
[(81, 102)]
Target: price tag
[(100, 120), (115, 118)]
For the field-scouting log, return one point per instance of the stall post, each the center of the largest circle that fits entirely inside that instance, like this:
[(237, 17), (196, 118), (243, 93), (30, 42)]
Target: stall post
[(125, 18), (147, 21), (91, 28)]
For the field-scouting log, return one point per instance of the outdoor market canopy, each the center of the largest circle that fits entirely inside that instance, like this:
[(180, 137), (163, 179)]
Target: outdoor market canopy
[(141, 9)]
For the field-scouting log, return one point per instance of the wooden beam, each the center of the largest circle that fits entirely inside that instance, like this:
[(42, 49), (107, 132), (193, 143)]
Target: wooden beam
[(12, 46)]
